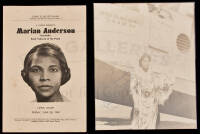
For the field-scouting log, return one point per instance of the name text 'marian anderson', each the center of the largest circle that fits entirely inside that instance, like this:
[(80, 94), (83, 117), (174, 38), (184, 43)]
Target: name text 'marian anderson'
[(45, 30)]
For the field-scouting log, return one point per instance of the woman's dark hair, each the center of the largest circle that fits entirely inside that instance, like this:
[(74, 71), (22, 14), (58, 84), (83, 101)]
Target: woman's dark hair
[(142, 57), (46, 49)]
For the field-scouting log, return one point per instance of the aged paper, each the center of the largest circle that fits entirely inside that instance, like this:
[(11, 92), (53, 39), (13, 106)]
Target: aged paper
[(44, 69), (145, 66)]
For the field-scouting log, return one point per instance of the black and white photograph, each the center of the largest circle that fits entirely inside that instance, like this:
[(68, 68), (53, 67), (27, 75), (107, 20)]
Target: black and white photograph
[(144, 66), (44, 68)]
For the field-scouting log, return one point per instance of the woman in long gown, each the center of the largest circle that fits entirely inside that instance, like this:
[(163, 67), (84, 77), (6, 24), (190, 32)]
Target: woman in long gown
[(148, 90)]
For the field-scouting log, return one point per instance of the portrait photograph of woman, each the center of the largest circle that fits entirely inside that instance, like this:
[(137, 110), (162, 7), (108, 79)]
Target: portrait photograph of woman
[(148, 52), (45, 71)]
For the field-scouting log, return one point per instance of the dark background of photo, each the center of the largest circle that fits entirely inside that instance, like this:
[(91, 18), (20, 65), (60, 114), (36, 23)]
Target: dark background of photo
[(90, 58)]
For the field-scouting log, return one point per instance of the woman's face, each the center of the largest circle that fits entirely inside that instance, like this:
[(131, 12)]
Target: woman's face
[(45, 76), (145, 63)]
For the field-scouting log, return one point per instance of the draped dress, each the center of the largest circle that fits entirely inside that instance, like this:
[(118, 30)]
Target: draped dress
[(148, 90)]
